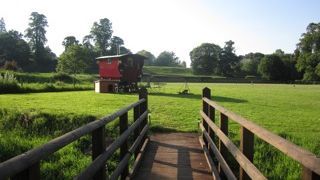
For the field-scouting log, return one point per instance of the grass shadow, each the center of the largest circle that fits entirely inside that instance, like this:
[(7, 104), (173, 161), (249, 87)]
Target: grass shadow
[(161, 129), (197, 96)]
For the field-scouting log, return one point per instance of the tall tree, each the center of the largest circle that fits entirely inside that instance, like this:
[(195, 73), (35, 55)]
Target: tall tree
[(87, 41), (308, 53), (205, 58), (69, 41), (167, 58), (2, 26), (249, 63), (150, 58), (14, 48), (74, 60), (101, 33), (184, 64), (229, 61), (289, 61), (271, 67), (36, 34), (115, 45)]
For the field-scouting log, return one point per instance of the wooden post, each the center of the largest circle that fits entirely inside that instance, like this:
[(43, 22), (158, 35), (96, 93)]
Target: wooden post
[(32, 173), (206, 92), (124, 146), (222, 148), (137, 131), (98, 147), (246, 147), (143, 94), (307, 174)]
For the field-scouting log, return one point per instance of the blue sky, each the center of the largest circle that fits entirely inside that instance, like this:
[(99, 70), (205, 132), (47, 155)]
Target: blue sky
[(174, 25)]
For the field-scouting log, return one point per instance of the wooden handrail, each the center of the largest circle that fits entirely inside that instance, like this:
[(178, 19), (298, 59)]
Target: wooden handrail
[(225, 167), (304, 157), (31, 158), (244, 155), (237, 154), (125, 160), (100, 160)]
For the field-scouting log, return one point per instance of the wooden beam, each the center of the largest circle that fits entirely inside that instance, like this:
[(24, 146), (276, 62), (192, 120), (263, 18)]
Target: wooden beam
[(137, 162), (307, 174), (27, 159), (243, 161), (31, 173), (222, 163), (206, 93), (136, 114), (246, 147), (100, 160), (222, 148), (98, 147), (214, 171), (304, 157), (124, 146)]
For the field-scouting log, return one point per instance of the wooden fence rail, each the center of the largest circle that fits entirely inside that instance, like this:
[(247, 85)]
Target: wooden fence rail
[(310, 163), (27, 165)]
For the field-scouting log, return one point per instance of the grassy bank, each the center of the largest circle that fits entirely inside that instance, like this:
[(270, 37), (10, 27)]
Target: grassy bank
[(290, 111), (44, 82)]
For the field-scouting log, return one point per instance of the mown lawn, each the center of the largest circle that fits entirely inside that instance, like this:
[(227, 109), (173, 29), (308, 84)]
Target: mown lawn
[(288, 110)]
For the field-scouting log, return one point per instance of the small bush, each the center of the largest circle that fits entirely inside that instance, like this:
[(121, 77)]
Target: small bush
[(48, 87), (250, 77), (62, 77), (8, 83), (11, 65)]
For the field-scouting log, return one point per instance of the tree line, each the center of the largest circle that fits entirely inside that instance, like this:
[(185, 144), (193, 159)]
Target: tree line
[(29, 52), (304, 63), (165, 58)]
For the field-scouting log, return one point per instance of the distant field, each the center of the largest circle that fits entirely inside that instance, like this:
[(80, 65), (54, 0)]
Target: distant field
[(291, 111), (172, 71)]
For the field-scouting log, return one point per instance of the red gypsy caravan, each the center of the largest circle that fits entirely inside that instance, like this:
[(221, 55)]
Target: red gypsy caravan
[(119, 73)]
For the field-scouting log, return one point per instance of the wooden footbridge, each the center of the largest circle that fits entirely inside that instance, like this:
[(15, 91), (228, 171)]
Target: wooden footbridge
[(165, 156)]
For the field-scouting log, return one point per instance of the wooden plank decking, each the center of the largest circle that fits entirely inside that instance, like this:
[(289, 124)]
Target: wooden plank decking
[(174, 156)]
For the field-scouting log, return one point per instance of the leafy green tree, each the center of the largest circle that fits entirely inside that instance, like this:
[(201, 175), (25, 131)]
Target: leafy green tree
[(150, 58), (167, 58), (74, 60), (2, 26), (271, 68), (289, 71), (184, 64), (87, 41), (249, 63), (308, 52), (101, 33), (14, 48), (124, 50), (116, 43), (229, 61), (36, 34), (93, 53), (205, 58), (69, 41), (279, 52)]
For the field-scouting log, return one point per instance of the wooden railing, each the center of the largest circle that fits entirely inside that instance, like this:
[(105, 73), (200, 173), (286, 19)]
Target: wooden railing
[(244, 155), (27, 165)]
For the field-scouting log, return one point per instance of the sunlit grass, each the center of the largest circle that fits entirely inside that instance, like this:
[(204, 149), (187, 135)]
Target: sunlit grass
[(288, 110)]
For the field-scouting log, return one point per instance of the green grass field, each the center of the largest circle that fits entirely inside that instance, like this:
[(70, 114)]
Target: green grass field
[(173, 71), (291, 111)]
